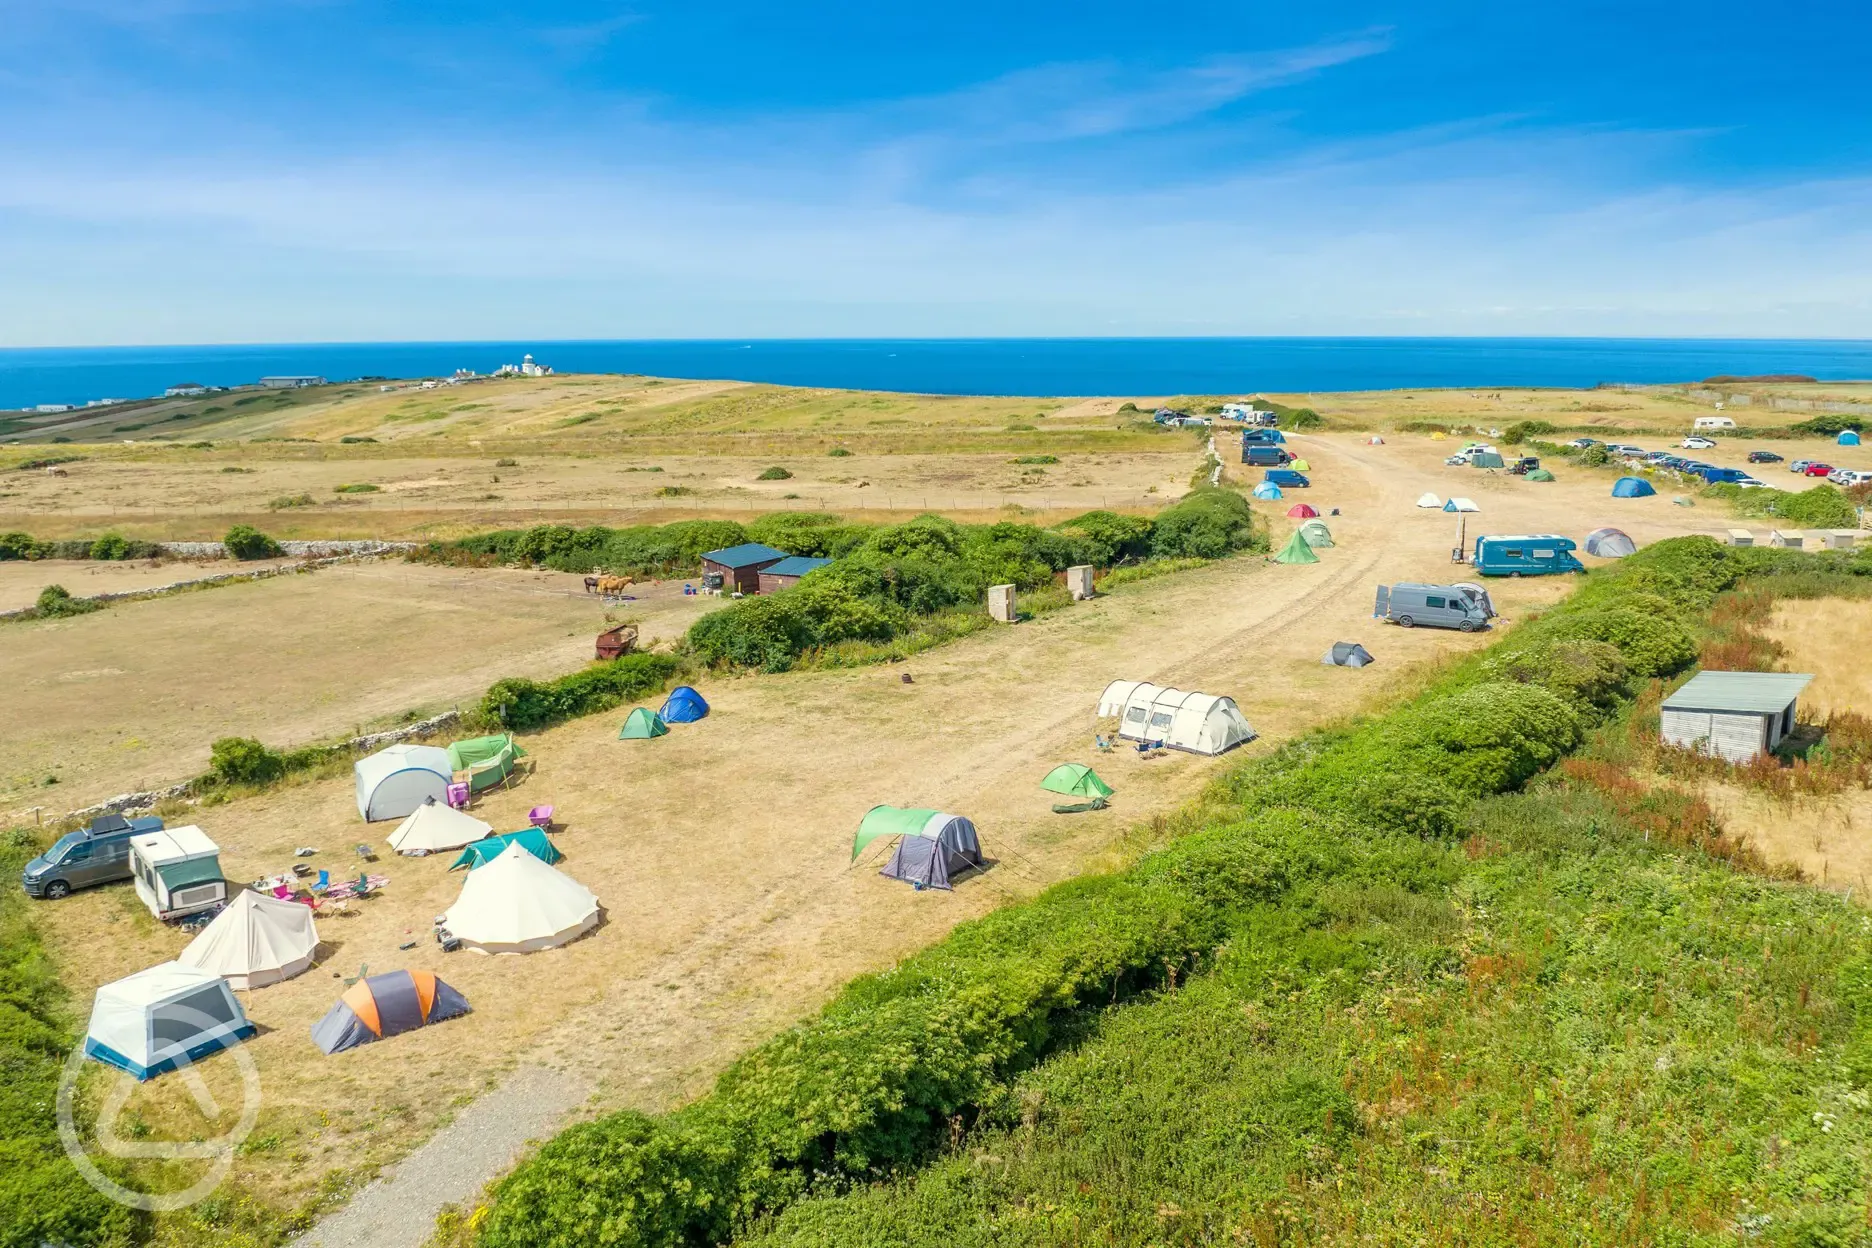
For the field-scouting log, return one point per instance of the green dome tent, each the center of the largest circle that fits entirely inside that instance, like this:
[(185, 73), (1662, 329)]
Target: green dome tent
[(1075, 780), (642, 725), (1316, 533), (487, 760), (1540, 474), (1296, 551)]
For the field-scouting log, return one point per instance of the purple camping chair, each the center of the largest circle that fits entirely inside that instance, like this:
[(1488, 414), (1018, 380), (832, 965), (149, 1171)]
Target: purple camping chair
[(458, 795), (540, 816)]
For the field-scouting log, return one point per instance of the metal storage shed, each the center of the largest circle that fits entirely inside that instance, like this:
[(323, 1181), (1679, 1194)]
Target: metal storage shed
[(1733, 715)]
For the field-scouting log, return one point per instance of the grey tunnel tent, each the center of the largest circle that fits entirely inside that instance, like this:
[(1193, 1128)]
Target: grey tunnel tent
[(932, 846), (1347, 654)]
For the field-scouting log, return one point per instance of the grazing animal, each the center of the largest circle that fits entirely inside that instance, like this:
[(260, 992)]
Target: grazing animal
[(591, 584), (609, 585)]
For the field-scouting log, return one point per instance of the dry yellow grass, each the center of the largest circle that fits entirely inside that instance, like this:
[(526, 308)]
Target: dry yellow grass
[(1831, 638)]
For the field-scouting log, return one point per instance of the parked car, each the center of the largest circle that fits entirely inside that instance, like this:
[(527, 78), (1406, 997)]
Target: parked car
[(1849, 476), (1580, 444), (1626, 449), (96, 854), (1659, 457), (1817, 470), (1286, 478), (1465, 607), (1695, 443), (1763, 457), (1799, 465)]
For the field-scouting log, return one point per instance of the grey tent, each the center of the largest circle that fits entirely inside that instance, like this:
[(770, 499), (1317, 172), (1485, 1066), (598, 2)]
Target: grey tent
[(1347, 654), (386, 1005), (1609, 544), (929, 850)]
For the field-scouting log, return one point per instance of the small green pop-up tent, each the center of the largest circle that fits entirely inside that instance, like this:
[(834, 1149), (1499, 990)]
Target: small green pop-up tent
[(487, 760), (533, 840), (1075, 780), (1296, 551), (642, 725)]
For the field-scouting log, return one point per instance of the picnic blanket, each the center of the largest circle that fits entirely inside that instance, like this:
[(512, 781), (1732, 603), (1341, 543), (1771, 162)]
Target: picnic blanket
[(348, 888)]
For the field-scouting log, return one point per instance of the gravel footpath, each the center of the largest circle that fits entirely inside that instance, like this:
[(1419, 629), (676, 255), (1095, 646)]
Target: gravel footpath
[(399, 1209)]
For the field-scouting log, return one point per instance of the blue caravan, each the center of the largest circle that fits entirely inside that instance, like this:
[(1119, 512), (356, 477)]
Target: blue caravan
[(1538, 554)]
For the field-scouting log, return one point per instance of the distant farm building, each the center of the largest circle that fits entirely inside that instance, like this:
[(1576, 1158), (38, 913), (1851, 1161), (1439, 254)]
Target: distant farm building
[(738, 569), (1733, 715), (787, 573), (290, 383), (186, 390)]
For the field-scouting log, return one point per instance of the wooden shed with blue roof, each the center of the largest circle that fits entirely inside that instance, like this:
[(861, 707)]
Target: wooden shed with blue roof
[(737, 569), (786, 574)]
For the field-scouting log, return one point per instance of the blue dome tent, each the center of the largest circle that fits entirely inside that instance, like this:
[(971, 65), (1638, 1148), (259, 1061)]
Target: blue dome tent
[(1632, 487), (1267, 491), (1849, 437), (685, 706)]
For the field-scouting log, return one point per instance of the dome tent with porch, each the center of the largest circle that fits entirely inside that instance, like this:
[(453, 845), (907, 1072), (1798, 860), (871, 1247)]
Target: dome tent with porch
[(1347, 654), (1075, 780), (1610, 544), (933, 846), (386, 1005), (394, 781), (162, 1019), (683, 706), (1200, 723), (643, 724), (256, 941), (1316, 533)]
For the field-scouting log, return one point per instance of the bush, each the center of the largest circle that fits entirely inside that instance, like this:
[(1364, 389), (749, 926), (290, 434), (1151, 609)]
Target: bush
[(672, 491), (1037, 459), (1595, 456), (838, 452), (357, 487), (506, 463), (1648, 636), (242, 760), (1111, 537), (55, 601), (111, 546), (17, 546), (244, 542), (1302, 418), (775, 473), (285, 501), (1522, 430), (524, 705), (1588, 674), (772, 632), (1829, 425), (1206, 523)]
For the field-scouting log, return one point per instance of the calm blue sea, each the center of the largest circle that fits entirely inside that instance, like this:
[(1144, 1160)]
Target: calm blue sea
[(1012, 366)]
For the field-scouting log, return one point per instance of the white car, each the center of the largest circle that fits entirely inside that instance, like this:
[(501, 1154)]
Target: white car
[(1849, 476), (1694, 443)]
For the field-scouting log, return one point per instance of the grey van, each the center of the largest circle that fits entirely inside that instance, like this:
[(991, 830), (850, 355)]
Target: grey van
[(1465, 607), (97, 854), (1256, 455)]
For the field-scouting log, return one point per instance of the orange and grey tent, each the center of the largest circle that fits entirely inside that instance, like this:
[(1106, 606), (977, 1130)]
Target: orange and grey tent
[(386, 1005)]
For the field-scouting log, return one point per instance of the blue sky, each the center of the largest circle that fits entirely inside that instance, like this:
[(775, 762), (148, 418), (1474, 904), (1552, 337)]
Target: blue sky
[(317, 170)]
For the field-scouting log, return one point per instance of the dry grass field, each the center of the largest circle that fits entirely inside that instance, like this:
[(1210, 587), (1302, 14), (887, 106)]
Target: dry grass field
[(132, 696)]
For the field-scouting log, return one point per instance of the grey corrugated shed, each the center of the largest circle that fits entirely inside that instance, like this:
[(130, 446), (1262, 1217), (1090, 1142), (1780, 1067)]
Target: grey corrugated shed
[(1760, 693)]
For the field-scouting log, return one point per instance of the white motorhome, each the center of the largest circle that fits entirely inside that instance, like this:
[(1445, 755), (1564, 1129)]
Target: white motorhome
[(1713, 422)]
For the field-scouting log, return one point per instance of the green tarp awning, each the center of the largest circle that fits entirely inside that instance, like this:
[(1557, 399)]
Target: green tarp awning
[(1296, 551), (533, 840), (464, 755), (889, 821), (642, 724), (1075, 780), (1485, 459), (195, 871)]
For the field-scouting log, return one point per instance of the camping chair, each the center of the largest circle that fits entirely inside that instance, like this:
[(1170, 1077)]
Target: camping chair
[(283, 892), (363, 886), (1102, 742), (322, 883), (458, 793), (365, 852), (540, 816)]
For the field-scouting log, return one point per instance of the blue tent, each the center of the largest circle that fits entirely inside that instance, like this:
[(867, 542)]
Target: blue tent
[(685, 706), (1849, 438), (482, 852), (1632, 487), (1267, 491)]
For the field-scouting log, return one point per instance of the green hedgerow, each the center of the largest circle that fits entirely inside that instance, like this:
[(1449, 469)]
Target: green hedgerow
[(245, 542), (55, 601), (242, 760)]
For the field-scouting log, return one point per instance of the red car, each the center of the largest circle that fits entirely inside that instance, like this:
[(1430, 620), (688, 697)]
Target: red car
[(1817, 470)]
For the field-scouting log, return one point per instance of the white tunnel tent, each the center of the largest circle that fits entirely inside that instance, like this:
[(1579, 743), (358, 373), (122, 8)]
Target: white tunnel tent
[(1201, 723)]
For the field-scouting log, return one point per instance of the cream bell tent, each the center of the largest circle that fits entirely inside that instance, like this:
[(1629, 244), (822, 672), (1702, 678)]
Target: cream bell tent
[(1201, 723), (436, 826), (394, 781), (518, 904), (1430, 501), (162, 1019), (256, 941)]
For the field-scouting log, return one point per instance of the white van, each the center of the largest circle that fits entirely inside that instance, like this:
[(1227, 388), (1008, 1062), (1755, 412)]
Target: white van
[(1713, 422)]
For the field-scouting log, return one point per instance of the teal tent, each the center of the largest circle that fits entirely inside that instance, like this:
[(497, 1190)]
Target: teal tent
[(643, 724), (533, 840)]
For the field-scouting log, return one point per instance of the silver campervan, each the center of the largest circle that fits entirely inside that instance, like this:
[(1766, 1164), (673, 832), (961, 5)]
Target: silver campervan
[(1464, 606)]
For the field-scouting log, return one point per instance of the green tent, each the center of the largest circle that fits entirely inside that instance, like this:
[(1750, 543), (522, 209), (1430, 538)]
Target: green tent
[(889, 821), (1316, 534), (482, 852), (643, 724), (487, 760), (1296, 551), (1485, 459), (1540, 474), (1075, 780)]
